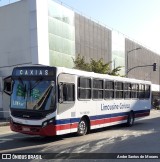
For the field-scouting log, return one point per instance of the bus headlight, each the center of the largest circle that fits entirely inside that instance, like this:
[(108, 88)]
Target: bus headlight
[(50, 121), (44, 124)]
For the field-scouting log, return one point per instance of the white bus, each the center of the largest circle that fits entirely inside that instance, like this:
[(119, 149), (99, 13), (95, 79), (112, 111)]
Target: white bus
[(50, 101)]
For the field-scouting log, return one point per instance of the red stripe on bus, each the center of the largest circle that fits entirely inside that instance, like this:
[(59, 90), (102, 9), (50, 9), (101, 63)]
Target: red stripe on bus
[(74, 125), (108, 120), (142, 114), (66, 126), (99, 121), (115, 119)]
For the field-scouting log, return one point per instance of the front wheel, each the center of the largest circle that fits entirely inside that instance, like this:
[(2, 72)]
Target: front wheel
[(82, 127), (130, 120)]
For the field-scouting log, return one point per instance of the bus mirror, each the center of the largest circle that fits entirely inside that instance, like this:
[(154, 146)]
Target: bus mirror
[(7, 85), (61, 93)]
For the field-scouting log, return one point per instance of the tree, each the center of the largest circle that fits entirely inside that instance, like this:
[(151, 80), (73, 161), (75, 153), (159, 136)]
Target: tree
[(99, 66), (81, 64), (115, 71), (95, 66)]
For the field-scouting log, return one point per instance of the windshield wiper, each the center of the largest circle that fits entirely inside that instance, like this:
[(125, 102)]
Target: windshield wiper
[(40, 102), (35, 84), (21, 81)]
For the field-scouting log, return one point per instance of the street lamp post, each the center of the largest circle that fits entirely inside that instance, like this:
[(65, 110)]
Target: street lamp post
[(127, 59)]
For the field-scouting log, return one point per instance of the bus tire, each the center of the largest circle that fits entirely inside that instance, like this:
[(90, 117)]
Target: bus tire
[(130, 120), (82, 127)]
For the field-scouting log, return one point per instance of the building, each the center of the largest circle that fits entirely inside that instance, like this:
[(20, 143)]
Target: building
[(45, 32)]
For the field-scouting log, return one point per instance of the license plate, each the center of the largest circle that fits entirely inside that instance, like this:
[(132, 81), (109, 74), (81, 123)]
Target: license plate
[(26, 129)]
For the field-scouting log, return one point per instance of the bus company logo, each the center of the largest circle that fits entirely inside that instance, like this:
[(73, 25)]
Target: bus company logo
[(6, 156), (33, 72), (115, 106)]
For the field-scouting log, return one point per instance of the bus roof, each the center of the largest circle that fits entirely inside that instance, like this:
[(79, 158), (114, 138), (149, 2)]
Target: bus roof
[(76, 72), (97, 75)]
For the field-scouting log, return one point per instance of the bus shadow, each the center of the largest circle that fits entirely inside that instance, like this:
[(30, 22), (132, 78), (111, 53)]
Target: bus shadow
[(15, 141)]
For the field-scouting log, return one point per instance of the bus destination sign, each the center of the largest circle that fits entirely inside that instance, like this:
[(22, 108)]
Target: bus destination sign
[(33, 72)]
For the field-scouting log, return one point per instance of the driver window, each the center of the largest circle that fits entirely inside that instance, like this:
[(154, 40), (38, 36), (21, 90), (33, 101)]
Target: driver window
[(68, 92)]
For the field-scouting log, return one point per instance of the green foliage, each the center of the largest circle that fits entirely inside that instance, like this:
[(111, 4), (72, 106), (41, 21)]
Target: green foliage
[(115, 71), (95, 66), (99, 66), (81, 64)]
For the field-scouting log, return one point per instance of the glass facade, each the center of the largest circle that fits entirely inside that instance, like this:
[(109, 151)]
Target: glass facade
[(118, 51), (61, 35)]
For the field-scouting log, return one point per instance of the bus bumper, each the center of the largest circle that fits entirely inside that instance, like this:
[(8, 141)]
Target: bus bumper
[(48, 130)]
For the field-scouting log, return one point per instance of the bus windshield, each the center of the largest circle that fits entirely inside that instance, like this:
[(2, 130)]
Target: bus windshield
[(33, 94)]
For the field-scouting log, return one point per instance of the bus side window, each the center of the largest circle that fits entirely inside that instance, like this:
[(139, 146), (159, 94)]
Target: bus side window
[(141, 91), (118, 90), (127, 90), (109, 90), (147, 91), (66, 92), (84, 88), (97, 89)]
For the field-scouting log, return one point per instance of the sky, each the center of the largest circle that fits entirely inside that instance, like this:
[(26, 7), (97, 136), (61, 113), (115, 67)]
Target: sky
[(139, 20)]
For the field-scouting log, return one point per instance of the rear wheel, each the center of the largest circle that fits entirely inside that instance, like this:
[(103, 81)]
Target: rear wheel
[(130, 120), (82, 127)]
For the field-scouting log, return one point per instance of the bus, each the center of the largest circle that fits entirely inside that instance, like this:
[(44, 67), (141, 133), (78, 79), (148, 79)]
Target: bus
[(49, 101)]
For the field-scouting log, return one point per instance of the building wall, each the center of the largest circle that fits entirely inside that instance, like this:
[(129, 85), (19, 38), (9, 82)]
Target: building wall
[(20, 41), (14, 37), (92, 40), (14, 43), (61, 35), (142, 57), (118, 51), (39, 9)]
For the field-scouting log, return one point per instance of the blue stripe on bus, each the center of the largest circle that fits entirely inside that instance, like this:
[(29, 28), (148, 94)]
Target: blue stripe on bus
[(98, 117), (67, 121), (142, 111)]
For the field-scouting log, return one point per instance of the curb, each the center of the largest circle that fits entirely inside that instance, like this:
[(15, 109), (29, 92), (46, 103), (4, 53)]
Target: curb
[(4, 124)]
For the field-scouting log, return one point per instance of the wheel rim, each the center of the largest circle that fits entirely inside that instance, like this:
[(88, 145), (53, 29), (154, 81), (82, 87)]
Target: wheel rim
[(82, 127)]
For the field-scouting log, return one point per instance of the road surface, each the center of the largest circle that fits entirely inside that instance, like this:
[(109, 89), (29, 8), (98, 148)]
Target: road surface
[(143, 137)]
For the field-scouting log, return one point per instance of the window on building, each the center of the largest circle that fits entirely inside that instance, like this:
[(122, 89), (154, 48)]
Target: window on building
[(118, 90), (84, 88), (109, 90), (97, 89)]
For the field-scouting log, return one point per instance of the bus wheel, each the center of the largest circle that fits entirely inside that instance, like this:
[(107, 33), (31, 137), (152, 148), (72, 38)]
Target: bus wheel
[(82, 127), (130, 120)]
